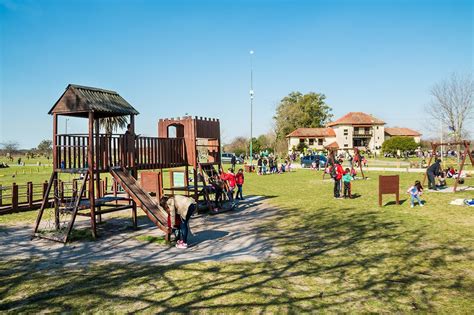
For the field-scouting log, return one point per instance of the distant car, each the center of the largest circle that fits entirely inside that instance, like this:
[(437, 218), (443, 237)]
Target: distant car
[(306, 161), (227, 158)]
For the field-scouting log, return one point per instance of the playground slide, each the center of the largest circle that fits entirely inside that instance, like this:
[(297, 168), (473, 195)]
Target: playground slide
[(153, 210)]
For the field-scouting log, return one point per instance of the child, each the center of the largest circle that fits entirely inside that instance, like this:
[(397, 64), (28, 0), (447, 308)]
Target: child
[(239, 180), (353, 173), (415, 192), (346, 178), (230, 178), (218, 186)]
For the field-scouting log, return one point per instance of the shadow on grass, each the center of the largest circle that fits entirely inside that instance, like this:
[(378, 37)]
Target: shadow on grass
[(394, 202), (332, 259)]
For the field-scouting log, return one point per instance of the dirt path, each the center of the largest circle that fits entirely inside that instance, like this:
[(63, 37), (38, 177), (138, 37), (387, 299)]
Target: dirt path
[(233, 235)]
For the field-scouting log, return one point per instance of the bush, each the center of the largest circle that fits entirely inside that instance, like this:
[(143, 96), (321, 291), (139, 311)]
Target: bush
[(404, 144), (301, 146)]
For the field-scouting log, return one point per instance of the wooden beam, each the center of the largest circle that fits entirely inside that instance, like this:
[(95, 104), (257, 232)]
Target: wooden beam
[(90, 161)]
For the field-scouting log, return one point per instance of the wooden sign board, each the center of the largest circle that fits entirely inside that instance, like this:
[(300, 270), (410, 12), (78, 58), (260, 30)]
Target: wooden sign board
[(389, 184), (152, 182)]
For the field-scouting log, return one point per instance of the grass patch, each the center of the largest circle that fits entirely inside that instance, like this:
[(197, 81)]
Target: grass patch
[(159, 240), (337, 256)]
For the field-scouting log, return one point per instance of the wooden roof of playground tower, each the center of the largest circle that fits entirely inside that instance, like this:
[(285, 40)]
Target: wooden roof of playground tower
[(80, 100)]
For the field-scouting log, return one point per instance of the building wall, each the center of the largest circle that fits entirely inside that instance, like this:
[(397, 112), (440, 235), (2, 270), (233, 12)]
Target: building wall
[(294, 141), (378, 137), (344, 141)]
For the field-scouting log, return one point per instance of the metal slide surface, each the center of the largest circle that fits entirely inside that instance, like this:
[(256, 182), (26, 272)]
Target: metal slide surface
[(153, 210)]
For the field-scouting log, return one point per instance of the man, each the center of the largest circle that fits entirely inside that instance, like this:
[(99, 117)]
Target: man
[(432, 172), (129, 145), (233, 161), (337, 174)]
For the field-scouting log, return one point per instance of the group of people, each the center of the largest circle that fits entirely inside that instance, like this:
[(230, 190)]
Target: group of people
[(269, 165), (227, 183), (342, 179), (437, 176), (181, 208)]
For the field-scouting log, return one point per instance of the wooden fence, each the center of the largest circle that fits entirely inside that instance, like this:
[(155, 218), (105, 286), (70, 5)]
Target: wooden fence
[(112, 150)]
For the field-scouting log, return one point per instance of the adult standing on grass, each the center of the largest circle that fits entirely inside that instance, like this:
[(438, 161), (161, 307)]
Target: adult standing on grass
[(432, 172), (233, 161), (337, 172)]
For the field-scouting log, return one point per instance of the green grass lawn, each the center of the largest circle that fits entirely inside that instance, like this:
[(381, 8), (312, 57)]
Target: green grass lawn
[(337, 256)]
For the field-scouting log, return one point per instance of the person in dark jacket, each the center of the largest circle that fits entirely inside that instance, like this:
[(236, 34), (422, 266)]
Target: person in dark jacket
[(233, 161), (432, 172)]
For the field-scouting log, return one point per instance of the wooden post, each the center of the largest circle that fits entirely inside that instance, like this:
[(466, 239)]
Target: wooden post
[(1, 194), (466, 152), (45, 188), (133, 149), (159, 193), (56, 203), (97, 163), (55, 142), (29, 190), (14, 196), (90, 161)]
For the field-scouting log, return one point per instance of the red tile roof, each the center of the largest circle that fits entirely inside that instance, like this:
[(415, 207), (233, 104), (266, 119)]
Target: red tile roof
[(332, 145), (357, 118), (402, 132), (312, 132)]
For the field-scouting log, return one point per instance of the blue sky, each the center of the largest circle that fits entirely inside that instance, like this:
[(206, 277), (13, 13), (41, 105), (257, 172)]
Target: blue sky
[(169, 58)]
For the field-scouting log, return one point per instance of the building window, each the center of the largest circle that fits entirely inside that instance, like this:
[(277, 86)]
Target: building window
[(301, 140), (377, 127), (311, 141), (346, 145), (346, 132), (320, 141)]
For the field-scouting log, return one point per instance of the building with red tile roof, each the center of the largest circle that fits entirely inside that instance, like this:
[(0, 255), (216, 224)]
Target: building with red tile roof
[(402, 132), (353, 130)]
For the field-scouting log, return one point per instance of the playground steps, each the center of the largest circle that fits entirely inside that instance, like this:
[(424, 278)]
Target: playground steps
[(155, 212)]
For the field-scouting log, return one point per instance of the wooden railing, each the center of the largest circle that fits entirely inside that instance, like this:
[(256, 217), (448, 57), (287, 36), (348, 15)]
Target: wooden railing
[(116, 150), (19, 197)]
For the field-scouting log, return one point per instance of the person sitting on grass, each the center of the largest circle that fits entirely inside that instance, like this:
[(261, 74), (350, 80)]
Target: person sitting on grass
[(184, 207), (346, 179), (415, 192)]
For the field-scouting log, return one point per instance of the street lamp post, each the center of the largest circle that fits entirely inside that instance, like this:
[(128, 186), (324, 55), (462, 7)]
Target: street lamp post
[(251, 109)]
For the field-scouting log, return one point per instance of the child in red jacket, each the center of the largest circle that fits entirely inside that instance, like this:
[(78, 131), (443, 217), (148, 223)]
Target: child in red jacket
[(239, 180), (230, 178)]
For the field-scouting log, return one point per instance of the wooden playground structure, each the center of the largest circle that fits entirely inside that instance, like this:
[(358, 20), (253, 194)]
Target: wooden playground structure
[(467, 152), (195, 146)]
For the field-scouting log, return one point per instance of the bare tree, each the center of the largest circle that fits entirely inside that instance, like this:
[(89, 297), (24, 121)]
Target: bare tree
[(452, 104), (10, 147)]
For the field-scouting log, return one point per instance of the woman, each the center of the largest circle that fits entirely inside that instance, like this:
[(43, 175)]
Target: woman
[(184, 207)]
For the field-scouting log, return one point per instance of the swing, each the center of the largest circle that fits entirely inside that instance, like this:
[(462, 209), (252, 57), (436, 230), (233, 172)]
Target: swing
[(467, 152)]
